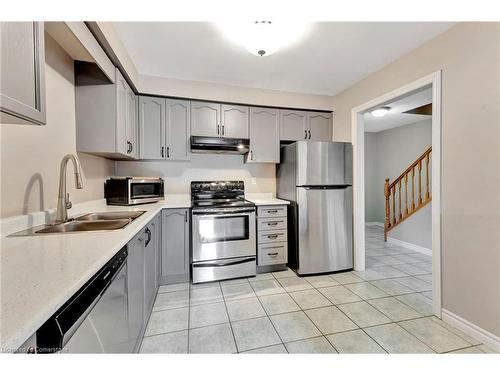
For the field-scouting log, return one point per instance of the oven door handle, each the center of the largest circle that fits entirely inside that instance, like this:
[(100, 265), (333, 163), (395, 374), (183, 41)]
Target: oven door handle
[(218, 263), (223, 213)]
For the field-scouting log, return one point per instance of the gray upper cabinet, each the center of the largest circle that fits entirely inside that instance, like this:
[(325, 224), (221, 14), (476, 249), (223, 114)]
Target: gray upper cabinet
[(293, 125), (234, 122), (264, 136), (205, 119), (106, 120), (22, 68), (175, 246), (151, 127), (178, 125), (132, 128), (320, 126)]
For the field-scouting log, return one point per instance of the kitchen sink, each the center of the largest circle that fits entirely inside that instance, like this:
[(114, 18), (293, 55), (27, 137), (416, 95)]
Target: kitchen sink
[(95, 221), (83, 226), (114, 215)]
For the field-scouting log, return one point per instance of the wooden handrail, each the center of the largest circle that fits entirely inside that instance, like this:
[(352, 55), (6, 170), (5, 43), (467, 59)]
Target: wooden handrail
[(413, 165), (395, 189)]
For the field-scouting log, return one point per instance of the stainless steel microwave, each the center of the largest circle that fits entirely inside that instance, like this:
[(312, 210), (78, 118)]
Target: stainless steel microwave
[(127, 191)]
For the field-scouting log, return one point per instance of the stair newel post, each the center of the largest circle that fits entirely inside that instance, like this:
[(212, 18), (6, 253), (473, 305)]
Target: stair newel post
[(420, 183), (387, 223), (406, 195), (427, 192)]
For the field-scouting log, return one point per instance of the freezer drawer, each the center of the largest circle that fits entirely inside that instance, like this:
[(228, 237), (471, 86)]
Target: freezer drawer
[(224, 269), (324, 229)]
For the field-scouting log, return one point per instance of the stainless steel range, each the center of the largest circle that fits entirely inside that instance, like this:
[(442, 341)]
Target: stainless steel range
[(223, 231)]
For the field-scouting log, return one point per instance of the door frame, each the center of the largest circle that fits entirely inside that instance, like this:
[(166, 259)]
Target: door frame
[(357, 136)]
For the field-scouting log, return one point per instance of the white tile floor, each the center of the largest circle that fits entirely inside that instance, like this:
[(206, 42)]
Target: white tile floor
[(385, 309)]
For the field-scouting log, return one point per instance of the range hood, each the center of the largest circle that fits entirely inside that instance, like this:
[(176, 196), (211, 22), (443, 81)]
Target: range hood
[(216, 145)]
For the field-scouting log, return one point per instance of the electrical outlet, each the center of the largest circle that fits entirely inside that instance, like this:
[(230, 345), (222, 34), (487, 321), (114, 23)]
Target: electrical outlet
[(254, 180)]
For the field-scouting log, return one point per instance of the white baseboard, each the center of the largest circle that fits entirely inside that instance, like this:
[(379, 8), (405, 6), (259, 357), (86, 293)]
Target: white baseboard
[(480, 334), (376, 223), (417, 248)]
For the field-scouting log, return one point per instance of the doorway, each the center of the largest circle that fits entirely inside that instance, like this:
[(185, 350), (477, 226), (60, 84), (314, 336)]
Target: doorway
[(432, 83)]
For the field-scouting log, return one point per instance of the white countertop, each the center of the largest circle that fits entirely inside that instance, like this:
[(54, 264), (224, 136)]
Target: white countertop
[(40, 273), (264, 199)]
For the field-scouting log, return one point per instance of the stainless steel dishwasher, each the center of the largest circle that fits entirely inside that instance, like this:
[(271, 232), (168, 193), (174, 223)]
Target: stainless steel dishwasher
[(95, 319)]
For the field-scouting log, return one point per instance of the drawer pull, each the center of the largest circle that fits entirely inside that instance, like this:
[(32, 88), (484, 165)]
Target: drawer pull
[(272, 224), (272, 211), (272, 236), (272, 254)]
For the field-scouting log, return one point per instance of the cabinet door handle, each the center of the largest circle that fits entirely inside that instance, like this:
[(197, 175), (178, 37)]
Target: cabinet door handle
[(272, 236), (272, 224), (218, 129), (131, 147), (168, 152), (272, 211), (185, 216), (162, 151), (222, 129), (305, 134), (309, 134), (272, 254)]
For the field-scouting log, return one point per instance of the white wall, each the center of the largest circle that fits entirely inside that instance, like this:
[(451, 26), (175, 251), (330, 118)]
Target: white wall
[(208, 167), (469, 56), (31, 154)]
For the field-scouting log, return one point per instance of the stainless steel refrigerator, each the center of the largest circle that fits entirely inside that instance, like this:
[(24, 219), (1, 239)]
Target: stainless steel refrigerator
[(316, 177)]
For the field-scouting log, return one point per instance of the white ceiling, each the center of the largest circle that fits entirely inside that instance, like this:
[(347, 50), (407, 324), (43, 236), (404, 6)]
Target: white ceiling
[(328, 59), (396, 117)]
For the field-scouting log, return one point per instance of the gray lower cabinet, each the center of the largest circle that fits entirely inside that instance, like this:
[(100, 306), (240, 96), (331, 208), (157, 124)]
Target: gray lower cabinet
[(135, 286), (264, 136), (106, 118), (22, 68), (175, 246), (272, 237), (150, 278)]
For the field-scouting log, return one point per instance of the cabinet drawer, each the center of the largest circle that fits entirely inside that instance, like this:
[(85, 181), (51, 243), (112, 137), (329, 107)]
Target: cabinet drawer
[(273, 254), (271, 211), (271, 223), (271, 236)]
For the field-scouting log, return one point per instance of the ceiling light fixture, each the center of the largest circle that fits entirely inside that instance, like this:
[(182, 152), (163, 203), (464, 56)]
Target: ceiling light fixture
[(263, 38), (380, 112)]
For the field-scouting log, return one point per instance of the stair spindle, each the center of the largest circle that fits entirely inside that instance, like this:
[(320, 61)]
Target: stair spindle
[(412, 189), (394, 205), (400, 212), (406, 195), (427, 192), (420, 183)]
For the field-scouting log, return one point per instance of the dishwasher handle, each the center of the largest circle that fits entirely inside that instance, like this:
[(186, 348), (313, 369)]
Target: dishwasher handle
[(58, 329)]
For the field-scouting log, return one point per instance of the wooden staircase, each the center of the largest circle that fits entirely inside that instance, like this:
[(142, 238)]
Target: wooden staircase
[(394, 197)]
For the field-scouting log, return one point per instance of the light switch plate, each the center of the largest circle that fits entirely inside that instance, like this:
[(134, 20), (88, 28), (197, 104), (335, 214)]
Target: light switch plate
[(254, 180)]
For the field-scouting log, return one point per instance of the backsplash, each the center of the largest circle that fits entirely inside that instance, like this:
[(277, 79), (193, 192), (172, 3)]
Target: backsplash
[(178, 175)]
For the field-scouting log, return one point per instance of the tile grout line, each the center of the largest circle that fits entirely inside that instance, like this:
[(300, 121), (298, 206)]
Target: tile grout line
[(229, 319)]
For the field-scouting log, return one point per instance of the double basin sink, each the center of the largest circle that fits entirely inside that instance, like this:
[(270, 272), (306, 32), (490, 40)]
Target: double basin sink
[(97, 221)]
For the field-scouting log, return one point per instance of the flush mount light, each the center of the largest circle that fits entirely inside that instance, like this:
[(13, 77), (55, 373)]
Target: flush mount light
[(380, 112), (263, 38)]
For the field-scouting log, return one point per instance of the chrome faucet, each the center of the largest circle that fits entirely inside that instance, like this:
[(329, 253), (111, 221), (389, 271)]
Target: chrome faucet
[(63, 202)]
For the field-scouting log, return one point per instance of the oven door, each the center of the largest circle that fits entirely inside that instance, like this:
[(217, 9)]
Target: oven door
[(145, 191), (223, 234)]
